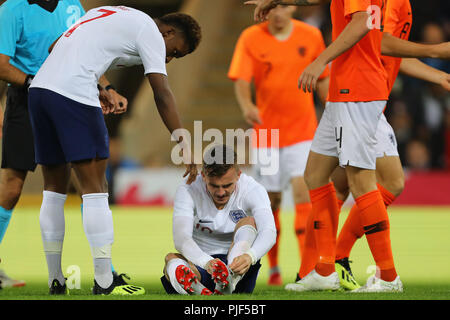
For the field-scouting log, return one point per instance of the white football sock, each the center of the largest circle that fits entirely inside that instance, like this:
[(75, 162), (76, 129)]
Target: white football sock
[(243, 241), (98, 227), (103, 273), (51, 220), (170, 270)]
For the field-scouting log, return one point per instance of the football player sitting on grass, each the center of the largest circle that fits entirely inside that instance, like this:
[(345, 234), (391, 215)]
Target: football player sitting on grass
[(222, 226)]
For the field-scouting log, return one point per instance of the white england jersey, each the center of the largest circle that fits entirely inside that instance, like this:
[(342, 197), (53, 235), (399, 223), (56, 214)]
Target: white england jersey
[(105, 38), (212, 229)]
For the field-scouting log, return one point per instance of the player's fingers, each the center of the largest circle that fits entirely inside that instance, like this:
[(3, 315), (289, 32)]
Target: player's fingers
[(240, 268), (314, 84), (121, 109), (301, 80), (191, 178), (304, 82), (309, 86)]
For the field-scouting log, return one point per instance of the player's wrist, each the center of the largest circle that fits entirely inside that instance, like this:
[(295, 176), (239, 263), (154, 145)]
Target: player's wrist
[(252, 255)]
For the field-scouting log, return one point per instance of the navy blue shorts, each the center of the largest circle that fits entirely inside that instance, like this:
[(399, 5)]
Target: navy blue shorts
[(65, 130), (246, 285)]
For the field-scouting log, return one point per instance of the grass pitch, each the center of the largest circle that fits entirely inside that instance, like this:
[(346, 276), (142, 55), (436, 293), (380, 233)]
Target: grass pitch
[(420, 241)]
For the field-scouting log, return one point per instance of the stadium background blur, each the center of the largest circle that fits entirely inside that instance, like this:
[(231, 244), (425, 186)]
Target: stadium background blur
[(141, 147)]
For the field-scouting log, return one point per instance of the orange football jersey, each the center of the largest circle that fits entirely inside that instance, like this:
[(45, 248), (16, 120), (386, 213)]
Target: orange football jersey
[(398, 22), (358, 74), (275, 67)]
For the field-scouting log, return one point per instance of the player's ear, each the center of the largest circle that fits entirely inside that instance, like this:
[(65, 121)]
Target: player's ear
[(169, 33)]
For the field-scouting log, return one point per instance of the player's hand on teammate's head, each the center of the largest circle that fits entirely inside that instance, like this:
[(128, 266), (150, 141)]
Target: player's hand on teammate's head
[(262, 8), (192, 171), (106, 101), (241, 264)]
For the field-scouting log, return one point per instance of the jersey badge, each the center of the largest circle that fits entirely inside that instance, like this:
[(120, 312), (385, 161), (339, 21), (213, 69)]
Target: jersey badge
[(237, 215)]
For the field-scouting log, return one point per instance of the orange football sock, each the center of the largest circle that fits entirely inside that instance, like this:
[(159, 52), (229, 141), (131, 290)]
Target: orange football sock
[(375, 220), (325, 210), (273, 253), (387, 196), (302, 211), (353, 229), (309, 253)]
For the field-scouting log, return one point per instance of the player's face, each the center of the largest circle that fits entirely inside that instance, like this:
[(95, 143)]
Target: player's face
[(280, 16), (176, 46), (221, 188)]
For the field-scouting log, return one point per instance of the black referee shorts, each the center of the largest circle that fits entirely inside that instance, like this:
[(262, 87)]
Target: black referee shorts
[(17, 141)]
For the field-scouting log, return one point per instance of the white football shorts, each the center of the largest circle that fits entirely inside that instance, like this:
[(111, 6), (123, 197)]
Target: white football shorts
[(386, 141), (347, 130), (290, 162)]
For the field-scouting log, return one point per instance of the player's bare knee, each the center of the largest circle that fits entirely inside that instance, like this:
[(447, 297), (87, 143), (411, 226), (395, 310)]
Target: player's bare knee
[(394, 186), (342, 191), (313, 179), (11, 191), (245, 221)]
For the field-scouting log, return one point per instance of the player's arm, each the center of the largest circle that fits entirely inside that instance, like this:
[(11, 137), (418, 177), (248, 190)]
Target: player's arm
[(243, 92), (355, 30), (182, 228), (417, 69), (1, 109), (11, 26), (263, 7), (257, 201), (11, 74), (167, 109), (396, 47)]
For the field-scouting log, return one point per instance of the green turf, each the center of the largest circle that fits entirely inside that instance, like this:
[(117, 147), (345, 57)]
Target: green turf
[(420, 240)]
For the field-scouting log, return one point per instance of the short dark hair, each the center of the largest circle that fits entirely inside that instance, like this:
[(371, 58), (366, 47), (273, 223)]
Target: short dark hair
[(218, 159), (186, 24)]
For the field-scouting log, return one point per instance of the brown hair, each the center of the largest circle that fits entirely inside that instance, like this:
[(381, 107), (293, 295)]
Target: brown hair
[(218, 159), (186, 24)]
